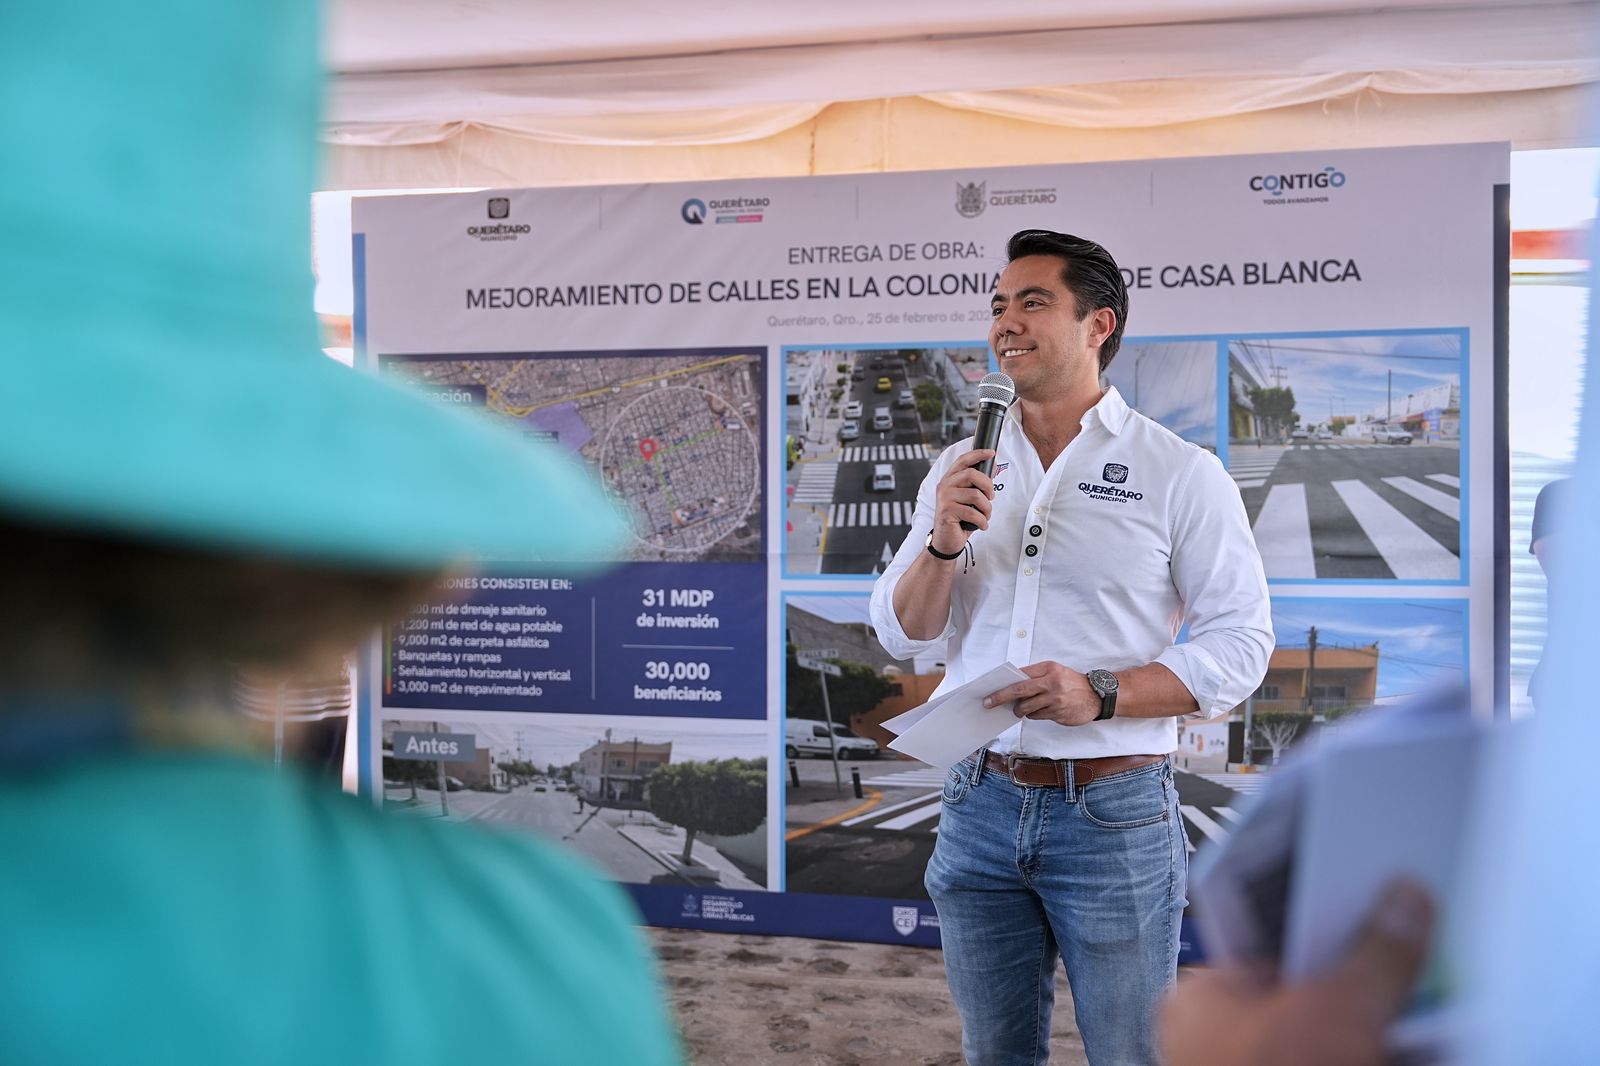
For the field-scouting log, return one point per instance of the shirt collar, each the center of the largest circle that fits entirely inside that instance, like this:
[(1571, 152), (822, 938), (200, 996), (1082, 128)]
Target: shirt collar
[(1112, 411)]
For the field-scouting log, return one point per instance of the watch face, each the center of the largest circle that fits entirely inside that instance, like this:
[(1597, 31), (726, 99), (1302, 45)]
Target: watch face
[(1102, 681)]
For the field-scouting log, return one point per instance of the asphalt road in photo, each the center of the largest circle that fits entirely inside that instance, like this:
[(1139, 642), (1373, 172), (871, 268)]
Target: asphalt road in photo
[(1353, 509), (881, 848)]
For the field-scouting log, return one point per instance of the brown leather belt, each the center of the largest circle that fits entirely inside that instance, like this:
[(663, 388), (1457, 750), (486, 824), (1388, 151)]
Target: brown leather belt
[(1053, 773)]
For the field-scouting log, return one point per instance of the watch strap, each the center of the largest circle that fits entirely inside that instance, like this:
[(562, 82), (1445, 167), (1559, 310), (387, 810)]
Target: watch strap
[(1108, 698)]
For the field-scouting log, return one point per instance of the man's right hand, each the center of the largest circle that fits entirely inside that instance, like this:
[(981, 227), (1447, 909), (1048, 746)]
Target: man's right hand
[(965, 494)]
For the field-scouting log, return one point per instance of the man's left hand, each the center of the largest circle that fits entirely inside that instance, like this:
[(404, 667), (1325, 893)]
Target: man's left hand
[(1052, 693)]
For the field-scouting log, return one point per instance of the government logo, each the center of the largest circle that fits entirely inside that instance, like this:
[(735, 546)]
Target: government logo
[(499, 207), (1115, 473), (693, 212), (970, 200)]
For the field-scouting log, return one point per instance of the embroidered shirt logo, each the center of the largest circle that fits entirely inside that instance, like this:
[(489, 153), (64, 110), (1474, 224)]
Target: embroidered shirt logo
[(1103, 492), (1115, 473)]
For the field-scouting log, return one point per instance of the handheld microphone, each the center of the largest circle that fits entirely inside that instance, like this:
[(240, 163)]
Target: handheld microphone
[(995, 394)]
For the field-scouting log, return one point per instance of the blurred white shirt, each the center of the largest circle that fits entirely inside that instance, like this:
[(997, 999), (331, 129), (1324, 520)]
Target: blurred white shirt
[(1098, 563)]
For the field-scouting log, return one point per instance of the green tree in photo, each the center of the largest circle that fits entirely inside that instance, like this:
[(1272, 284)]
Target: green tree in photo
[(930, 401), (1275, 407), (409, 772), (1278, 729), (723, 797), (860, 689)]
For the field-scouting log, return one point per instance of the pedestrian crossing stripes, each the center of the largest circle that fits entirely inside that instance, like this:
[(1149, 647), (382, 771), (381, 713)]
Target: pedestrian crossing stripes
[(925, 777), (1246, 783), (1251, 467), (903, 815), (873, 513), (1354, 512), (883, 453), (816, 482), (1406, 549), (1202, 821), (1303, 447), (921, 813), (1442, 502)]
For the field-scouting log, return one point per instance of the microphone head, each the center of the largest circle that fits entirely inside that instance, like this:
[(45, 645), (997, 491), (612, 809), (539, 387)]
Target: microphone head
[(997, 388)]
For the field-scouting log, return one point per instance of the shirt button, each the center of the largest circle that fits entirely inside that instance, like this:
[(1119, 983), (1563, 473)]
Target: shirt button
[(1038, 510), (1034, 531), (1032, 549), (1022, 632), (1027, 571)]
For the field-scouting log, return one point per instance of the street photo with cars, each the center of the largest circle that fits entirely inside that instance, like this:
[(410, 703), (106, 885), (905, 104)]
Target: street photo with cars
[(863, 425)]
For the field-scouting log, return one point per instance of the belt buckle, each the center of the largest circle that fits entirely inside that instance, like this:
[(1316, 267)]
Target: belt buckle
[(1012, 759)]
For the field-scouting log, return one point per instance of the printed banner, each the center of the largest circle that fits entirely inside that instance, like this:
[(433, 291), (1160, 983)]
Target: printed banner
[(761, 372)]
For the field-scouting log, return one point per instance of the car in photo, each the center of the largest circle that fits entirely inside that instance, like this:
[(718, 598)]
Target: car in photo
[(1300, 434), (882, 418), (850, 430), (852, 409), (1390, 435), (877, 364), (905, 399), (883, 385), (858, 374), (1324, 434), (882, 477), (803, 736)]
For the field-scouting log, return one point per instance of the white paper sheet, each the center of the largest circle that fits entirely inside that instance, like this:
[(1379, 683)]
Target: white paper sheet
[(946, 730)]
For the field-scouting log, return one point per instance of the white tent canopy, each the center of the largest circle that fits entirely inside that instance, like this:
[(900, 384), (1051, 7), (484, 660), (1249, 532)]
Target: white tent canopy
[(498, 92)]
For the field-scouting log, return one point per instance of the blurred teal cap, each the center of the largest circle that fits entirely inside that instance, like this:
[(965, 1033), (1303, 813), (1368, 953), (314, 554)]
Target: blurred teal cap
[(163, 375)]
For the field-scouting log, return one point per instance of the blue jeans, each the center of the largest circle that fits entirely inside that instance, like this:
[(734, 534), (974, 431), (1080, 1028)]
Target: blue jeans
[(1022, 873)]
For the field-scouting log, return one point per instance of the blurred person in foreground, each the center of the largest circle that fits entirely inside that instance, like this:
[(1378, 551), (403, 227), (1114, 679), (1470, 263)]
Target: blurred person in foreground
[(1236, 1016), (188, 485), (1530, 935)]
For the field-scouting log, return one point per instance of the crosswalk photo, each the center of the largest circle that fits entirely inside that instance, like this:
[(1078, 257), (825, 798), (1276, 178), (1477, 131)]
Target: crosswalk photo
[(1347, 450), (816, 486), (1356, 510), (1208, 803)]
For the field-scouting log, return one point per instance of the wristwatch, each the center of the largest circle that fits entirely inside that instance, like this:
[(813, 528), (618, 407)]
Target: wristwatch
[(936, 553), (1105, 683)]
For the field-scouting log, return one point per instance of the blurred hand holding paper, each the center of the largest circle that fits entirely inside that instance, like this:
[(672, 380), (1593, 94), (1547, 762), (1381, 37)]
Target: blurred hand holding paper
[(947, 729), (1389, 797)]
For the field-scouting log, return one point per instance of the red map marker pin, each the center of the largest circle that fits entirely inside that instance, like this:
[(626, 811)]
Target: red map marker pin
[(647, 448)]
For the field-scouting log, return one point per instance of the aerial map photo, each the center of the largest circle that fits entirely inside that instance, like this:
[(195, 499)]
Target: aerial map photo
[(676, 435)]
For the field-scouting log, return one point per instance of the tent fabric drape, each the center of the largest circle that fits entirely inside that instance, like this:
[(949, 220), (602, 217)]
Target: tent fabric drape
[(916, 134), (1095, 78)]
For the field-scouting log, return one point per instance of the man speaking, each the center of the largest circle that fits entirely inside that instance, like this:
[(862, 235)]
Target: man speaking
[(1098, 536)]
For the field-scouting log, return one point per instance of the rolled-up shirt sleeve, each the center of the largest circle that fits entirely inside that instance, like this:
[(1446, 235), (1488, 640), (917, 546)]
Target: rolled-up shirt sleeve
[(1217, 573), (891, 634)]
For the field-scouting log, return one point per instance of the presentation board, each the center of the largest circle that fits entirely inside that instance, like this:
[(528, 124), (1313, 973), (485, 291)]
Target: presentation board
[(761, 372)]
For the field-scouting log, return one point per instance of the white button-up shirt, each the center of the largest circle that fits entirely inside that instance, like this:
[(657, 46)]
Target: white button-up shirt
[(1097, 563)]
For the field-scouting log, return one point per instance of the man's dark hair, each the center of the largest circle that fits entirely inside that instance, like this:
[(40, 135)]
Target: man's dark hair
[(1088, 270)]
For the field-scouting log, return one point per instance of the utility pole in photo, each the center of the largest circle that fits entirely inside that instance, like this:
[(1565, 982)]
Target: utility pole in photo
[(1311, 678), (1250, 733), (444, 782), (815, 659)]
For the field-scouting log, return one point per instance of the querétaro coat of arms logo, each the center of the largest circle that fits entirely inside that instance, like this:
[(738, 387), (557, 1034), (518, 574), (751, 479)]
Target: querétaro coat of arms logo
[(971, 198)]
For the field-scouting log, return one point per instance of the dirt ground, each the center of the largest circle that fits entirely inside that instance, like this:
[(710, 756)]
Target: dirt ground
[(753, 1000)]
